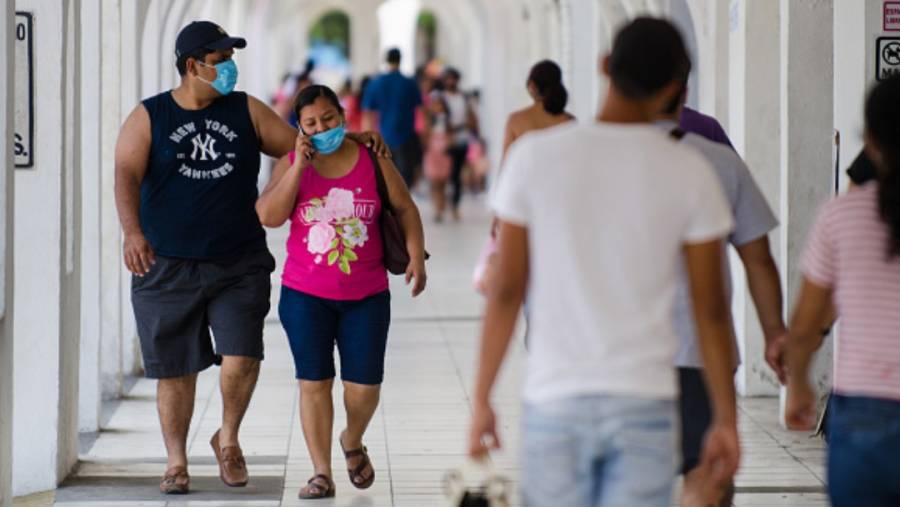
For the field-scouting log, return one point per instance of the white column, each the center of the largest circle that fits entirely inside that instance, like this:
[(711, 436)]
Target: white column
[(40, 265), (500, 27), (855, 30), (111, 311), (365, 47), (133, 16), (69, 334), (89, 127), (755, 109), (6, 256), (583, 36), (397, 22), (720, 17), (806, 130)]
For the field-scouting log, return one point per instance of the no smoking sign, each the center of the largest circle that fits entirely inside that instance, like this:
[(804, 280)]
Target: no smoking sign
[(887, 57)]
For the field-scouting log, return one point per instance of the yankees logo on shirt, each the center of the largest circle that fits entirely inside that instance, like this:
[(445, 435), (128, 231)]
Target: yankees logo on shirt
[(204, 149)]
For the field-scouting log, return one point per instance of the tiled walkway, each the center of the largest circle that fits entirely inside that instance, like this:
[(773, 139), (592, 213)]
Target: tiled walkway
[(418, 432)]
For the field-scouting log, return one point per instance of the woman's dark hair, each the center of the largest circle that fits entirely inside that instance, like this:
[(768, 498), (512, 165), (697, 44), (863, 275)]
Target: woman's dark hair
[(309, 95), (547, 78), (883, 128)]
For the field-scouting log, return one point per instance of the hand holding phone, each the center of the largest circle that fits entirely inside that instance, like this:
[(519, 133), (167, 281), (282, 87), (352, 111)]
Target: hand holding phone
[(303, 146)]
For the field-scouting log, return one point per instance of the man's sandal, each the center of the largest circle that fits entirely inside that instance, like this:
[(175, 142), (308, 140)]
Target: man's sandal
[(320, 486), (356, 473)]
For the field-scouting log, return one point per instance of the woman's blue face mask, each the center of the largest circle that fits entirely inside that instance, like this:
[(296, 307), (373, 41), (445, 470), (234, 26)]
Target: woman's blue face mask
[(330, 140), (226, 76)]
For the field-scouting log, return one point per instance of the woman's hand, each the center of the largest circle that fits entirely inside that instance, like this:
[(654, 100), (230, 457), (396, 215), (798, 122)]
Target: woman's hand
[(800, 408), (416, 269), (304, 148)]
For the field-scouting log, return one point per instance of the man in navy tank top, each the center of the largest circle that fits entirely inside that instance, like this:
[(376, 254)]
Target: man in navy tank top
[(187, 162)]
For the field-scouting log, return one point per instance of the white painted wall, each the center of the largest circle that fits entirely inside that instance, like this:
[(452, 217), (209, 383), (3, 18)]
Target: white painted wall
[(38, 269), (7, 185)]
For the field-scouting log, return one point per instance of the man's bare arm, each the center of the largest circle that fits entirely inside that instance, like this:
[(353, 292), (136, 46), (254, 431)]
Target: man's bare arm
[(276, 136), (500, 316), (765, 289), (714, 332), (132, 157)]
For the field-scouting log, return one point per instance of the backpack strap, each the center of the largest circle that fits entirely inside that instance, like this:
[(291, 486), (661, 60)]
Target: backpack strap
[(677, 133)]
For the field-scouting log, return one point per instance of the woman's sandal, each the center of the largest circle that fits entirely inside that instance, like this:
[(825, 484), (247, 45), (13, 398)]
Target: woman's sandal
[(314, 488), (356, 474)]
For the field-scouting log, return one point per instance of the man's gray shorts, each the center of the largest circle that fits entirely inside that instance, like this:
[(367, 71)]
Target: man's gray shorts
[(180, 300)]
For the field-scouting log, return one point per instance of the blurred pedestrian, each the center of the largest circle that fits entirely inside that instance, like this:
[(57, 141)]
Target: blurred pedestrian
[(463, 123), (594, 221), (852, 260), (394, 98)]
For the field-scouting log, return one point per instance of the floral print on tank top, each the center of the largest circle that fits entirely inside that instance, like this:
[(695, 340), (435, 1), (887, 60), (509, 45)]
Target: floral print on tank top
[(339, 224)]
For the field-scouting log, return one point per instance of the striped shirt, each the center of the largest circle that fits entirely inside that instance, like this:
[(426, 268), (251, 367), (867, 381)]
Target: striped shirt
[(847, 252)]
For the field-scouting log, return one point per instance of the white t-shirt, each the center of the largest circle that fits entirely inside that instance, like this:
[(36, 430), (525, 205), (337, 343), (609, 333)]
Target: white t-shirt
[(608, 208), (457, 109)]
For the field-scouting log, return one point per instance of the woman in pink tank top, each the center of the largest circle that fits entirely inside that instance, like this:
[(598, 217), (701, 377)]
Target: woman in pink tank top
[(334, 284)]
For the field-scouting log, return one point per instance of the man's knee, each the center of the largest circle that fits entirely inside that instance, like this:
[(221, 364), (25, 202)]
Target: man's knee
[(177, 383), (240, 366)]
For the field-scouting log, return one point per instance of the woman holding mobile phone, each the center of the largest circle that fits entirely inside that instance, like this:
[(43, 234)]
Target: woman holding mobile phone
[(335, 285)]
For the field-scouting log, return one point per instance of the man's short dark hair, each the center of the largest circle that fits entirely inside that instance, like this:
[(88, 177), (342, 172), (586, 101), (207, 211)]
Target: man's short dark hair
[(647, 55), (393, 56), (197, 54)]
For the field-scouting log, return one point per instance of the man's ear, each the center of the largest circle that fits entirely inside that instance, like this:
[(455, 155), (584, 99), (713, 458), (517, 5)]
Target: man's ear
[(190, 67)]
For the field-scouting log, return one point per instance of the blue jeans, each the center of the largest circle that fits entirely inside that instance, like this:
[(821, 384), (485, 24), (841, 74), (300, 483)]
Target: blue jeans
[(863, 452), (600, 451)]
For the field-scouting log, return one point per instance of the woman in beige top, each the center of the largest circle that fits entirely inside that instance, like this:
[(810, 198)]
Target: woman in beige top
[(548, 110)]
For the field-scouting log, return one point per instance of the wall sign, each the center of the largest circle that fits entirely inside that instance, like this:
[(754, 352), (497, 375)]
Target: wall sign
[(891, 17), (23, 137), (887, 57)]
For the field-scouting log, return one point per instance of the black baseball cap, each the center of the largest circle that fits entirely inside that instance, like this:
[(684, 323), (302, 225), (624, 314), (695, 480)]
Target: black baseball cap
[(205, 34)]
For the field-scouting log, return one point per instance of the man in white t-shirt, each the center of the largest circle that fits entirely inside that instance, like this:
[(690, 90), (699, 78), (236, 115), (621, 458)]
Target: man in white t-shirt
[(594, 220)]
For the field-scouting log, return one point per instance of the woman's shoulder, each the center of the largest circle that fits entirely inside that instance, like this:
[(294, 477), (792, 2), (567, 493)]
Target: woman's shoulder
[(521, 121)]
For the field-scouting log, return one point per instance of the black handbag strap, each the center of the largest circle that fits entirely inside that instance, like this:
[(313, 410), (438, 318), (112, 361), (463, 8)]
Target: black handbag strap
[(380, 183)]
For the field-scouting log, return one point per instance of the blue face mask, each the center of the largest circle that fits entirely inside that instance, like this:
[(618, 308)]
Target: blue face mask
[(226, 76), (330, 140)]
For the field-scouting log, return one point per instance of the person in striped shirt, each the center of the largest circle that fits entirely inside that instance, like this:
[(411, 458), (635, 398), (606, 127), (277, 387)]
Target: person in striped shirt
[(853, 260)]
